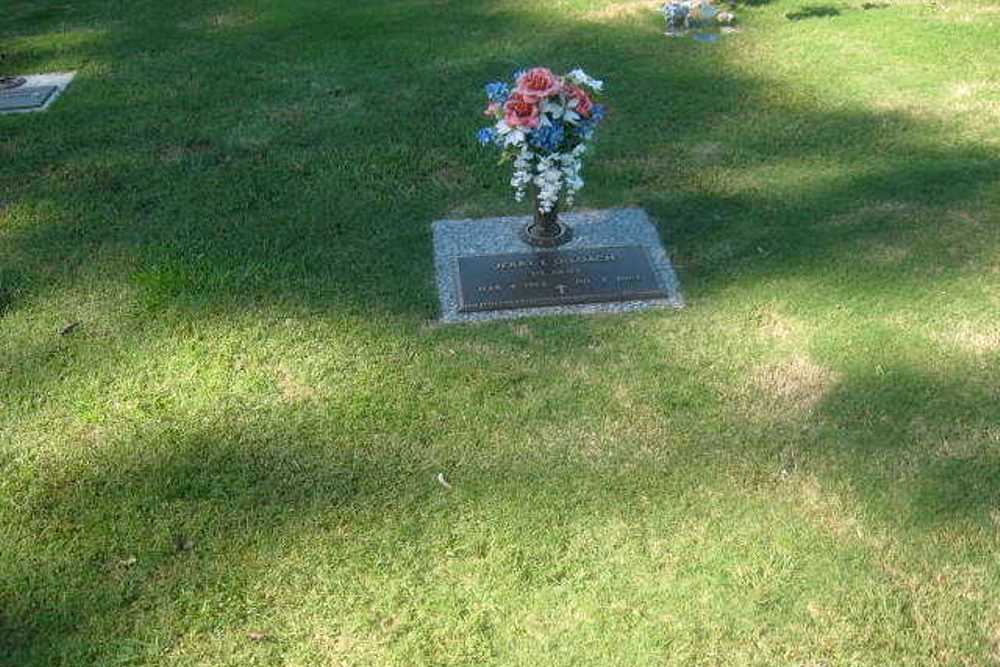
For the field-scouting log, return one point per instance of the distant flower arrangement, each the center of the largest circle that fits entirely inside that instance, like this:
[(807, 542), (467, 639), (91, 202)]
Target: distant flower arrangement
[(543, 123), (698, 16)]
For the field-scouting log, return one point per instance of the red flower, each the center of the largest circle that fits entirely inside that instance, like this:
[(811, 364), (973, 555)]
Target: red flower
[(538, 83), (584, 105), (520, 111)]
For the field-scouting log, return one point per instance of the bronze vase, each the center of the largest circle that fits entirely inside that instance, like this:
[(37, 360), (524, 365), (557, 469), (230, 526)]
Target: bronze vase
[(545, 230)]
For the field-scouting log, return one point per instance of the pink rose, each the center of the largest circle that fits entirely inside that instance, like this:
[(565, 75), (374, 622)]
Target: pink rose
[(538, 83), (583, 103), (520, 111), (492, 109)]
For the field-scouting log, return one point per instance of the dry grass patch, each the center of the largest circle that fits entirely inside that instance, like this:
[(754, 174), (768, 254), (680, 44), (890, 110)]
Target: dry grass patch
[(451, 177), (293, 115), (968, 13), (895, 209), (292, 388), (235, 18), (885, 253), (708, 152), (464, 211), (773, 324), (659, 161), (522, 331), (630, 441), (970, 105), (968, 446), (342, 648), (614, 11), (795, 382), (178, 153), (970, 337), (826, 510), (975, 96), (993, 632)]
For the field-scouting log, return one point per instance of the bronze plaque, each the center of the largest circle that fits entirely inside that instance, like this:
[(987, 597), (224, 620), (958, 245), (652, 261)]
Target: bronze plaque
[(26, 97), (556, 278)]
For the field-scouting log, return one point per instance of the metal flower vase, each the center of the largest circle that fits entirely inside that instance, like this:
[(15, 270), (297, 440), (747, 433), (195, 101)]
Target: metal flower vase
[(545, 230)]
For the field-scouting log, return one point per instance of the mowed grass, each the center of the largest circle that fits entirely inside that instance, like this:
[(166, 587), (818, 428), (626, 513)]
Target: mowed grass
[(232, 458)]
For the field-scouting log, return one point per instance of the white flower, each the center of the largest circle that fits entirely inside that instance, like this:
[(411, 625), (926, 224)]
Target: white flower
[(570, 166), (515, 138), (512, 136), (582, 78), (548, 179), (522, 172), (552, 109)]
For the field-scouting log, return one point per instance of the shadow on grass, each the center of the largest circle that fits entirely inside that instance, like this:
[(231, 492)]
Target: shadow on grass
[(272, 181), (922, 442), (183, 501), (142, 532), (275, 165), (186, 504), (921, 448), (813, 12), (277, 182)]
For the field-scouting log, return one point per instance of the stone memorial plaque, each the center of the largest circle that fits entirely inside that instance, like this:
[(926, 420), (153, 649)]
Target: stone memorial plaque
[(555, 278), (616, 263), (26, 97)]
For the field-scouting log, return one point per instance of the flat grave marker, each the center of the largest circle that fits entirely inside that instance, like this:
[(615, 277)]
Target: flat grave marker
[(615, 262), (36, 94), (556, 277), (25, 97)]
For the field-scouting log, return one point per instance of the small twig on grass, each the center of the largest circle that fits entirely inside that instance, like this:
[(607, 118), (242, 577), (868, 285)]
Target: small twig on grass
[(69, 328)]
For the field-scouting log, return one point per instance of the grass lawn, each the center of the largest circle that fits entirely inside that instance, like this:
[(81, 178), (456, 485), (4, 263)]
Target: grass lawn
[(231, 460)]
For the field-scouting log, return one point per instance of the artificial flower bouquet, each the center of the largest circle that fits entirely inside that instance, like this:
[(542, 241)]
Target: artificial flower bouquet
[(543, 123), (697, 15)]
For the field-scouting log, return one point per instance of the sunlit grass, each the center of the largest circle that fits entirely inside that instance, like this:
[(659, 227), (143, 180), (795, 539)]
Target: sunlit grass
[(233, 457)]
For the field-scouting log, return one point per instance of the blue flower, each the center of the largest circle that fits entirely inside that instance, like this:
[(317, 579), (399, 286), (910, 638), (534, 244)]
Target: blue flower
[(486, 136), (585, 129), (497, 92), (548, 138)]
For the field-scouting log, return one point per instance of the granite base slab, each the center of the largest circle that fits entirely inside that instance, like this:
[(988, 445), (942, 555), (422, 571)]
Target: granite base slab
[(454, 239), (60, 80)]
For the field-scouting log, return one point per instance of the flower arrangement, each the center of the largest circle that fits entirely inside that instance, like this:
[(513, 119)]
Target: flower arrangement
[(543, 124), (684, 15)]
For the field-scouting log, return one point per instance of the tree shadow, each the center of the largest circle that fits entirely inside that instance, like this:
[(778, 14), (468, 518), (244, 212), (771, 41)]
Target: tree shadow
[(316, 217), (273, 188), (188, 502), (919, 448), (813, 12), (348, 228), (185, 501)]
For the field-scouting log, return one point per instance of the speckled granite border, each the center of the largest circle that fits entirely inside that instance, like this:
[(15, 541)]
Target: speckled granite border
[(60, 80), (591, 229)]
